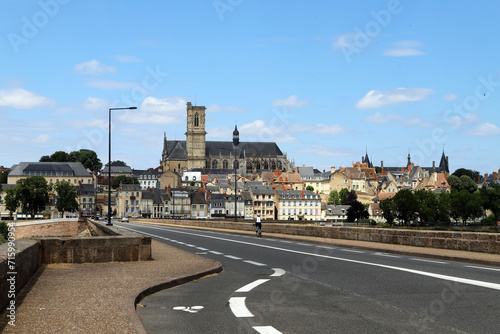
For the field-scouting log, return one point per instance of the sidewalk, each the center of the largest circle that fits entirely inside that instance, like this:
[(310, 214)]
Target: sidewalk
[(101, 297)]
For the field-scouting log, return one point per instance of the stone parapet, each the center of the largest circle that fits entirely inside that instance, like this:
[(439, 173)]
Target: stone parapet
[(464, 241)]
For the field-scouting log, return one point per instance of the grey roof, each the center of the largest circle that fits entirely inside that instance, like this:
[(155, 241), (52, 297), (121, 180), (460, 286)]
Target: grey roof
[(76, 168), (87, 189), (335, 210), (249, 184), (131, 187), (176, 149), (296, 194), (262, 190), (118, 168)]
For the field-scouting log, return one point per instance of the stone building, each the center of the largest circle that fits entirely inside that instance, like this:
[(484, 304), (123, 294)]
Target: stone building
[(197, 152)]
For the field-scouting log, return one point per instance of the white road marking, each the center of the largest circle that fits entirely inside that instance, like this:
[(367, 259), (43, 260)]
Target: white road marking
[(388, 255), (250, 286), (278, 272), (201, 248), (430, 261), (352, 250), (485, 268), (483, 284), (216, 253), (237, 305), (233, 257), (181, 243), (302, 244), (255, 263), (189, 245), (266, 330)]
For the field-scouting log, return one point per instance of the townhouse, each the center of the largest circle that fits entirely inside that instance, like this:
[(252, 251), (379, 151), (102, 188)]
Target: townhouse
[(298, 205)]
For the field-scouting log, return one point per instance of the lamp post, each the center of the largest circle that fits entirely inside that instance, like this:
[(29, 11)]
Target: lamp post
[(236, 142), (109, 164)]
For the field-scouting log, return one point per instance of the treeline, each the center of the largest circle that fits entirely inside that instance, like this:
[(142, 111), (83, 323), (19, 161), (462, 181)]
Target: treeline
[(88, 158)]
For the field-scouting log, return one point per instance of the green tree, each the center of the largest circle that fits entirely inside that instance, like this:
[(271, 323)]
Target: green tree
[(443, 212), (463, 182), (427, 205), (490, 198), (124, 180), (33, 194), (357, 211), (11, 201), (88, 158), (465, 205), (405, 205), (3, 177), (350, 198), (473, 174), (66, 197), (311, 188), (343, 195), (388, 210), (334, 198)]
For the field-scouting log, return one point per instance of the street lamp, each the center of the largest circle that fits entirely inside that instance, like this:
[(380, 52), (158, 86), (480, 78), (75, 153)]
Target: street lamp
[(236, 142), (109, 164)]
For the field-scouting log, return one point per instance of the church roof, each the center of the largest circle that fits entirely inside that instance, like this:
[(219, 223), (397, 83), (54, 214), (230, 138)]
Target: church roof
[(176, 149)]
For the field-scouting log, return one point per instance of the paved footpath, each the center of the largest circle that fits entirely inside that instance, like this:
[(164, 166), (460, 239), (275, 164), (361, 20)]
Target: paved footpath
[(100, 298)]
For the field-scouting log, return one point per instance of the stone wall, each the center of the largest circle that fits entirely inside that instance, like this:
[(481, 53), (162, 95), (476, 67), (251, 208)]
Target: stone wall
[(464, 241), (46, 228), (26, 262)]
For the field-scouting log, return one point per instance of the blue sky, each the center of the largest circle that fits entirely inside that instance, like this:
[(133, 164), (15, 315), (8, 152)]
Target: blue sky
[(326, 80)]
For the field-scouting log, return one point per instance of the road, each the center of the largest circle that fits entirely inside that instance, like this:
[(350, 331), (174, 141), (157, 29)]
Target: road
[(279, 286)]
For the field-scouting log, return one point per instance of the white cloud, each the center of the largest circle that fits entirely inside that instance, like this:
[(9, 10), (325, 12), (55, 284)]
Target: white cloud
[(94, 103), (41, 139), (467, 119), (127, 59), (485, 129), (167, 110), (93, 67), (290, 102), (220, 108), (378, 99), (414, 121), (325, 151), (263, 132), (403, 52), (111, 84), (450, 97), (22, 99)]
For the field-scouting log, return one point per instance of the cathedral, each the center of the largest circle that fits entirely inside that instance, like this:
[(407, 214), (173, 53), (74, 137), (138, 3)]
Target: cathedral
[(197, 152)]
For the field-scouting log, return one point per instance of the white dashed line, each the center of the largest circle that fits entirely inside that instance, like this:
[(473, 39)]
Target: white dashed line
[(189, 245), (266, 330), (387, 255), (352, 250), (237, 305), (301, 244), (233, 257), (255, 263), (431, 261), (485, 268), (216, 253), (201, 248), (252, 285)]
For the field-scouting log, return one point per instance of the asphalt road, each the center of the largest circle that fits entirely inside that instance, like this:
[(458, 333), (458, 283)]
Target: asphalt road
[(278, 286)]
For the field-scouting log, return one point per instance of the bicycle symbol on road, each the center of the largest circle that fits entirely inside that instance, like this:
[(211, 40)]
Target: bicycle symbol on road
[(190, 309)]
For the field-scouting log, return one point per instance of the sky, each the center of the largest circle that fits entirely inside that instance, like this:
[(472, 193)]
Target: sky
[(328, 81)]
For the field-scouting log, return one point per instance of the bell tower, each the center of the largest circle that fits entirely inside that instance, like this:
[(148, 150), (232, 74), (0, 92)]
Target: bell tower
[(195, 136)]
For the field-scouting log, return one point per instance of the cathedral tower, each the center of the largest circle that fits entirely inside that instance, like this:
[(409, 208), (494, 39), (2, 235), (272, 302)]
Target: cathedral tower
[(195, 136)]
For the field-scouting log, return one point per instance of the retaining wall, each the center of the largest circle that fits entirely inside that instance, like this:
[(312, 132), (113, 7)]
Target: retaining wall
[(45, 228), (464, 241)]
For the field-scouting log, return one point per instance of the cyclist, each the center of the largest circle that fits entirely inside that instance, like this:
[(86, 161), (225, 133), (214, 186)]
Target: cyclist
[(258, 222)]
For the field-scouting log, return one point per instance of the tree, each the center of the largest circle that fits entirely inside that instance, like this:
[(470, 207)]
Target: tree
[(66, 197), (427, 205), (357, 211), (88, 158), (334, 198), (473, 174), (310, 188), (350, 198), (490, 198), (388, 210), (443, 212), (465, 205), (405, 205), (33, 194), (343, 195), (463, 182), (3, 177), (124, 180), (11, 201)]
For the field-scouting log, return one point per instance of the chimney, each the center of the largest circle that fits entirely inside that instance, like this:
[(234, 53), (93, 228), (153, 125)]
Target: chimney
[(433, 164), (332, 169), (302, 193), (382, 164)]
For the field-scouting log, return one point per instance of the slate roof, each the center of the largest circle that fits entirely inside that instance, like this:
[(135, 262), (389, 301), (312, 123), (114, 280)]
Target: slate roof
[(76, 168), (117, 168), (176, 149), (297, 194), (262, 190)]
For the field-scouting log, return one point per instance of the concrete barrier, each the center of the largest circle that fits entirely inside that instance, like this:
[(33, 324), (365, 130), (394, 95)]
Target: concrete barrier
[(16, 268), (464, 241)]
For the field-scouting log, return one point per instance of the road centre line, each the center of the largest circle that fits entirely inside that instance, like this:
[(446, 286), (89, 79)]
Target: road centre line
[(483, 284), (249, 287), (233, 257), (266, 330), (485, 268), (216, 253), (255, 263), (388, 255), (238, 307)]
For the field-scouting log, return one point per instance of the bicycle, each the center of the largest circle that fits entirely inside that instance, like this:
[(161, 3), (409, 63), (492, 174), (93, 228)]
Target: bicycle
[(258, 231)]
